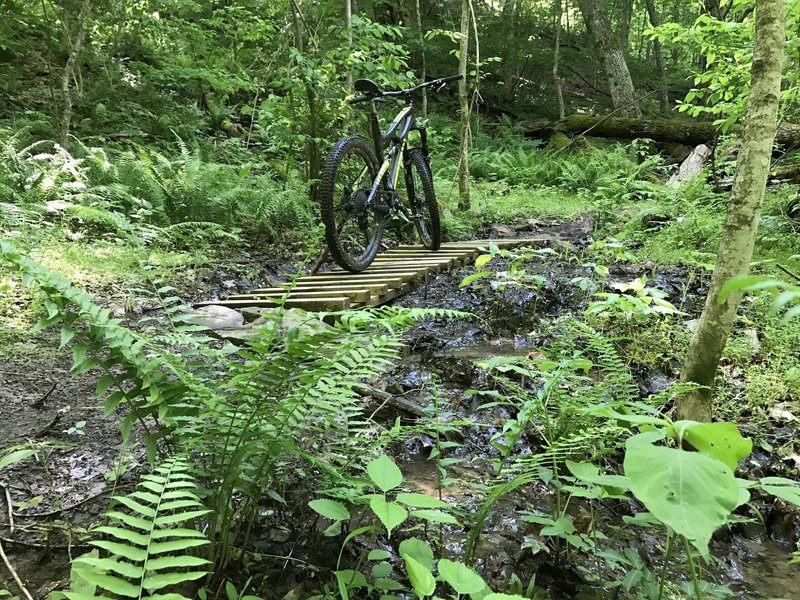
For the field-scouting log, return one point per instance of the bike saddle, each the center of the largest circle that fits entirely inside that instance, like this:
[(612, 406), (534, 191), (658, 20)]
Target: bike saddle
[(367, 87)]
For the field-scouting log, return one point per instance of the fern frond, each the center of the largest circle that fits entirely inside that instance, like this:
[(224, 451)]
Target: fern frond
[(149, 547)]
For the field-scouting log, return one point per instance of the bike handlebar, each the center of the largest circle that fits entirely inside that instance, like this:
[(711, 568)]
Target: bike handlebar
[(441, 81)]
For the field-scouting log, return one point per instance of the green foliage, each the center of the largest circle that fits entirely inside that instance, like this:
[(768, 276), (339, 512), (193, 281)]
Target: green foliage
[(150, 541), (645, 302)]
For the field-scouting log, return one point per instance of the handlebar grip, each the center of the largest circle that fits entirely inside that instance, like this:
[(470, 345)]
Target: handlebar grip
[(451, 78)]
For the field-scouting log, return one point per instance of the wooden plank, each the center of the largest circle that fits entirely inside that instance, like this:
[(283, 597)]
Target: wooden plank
[(374, 288), (391, 295), (360, 295), (393, 279), (330, 303)]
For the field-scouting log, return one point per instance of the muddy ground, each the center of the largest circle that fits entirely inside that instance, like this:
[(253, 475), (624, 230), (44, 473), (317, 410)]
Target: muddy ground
[(55, 498)]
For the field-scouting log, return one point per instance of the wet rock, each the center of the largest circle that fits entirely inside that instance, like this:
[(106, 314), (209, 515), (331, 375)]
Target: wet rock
[(655, 382), (253, 313), (751, 337), (216, 317), (267, 321), (502, 230)]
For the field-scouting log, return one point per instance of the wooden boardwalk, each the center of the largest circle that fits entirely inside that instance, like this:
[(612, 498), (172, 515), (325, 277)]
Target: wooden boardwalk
[(392, 274)]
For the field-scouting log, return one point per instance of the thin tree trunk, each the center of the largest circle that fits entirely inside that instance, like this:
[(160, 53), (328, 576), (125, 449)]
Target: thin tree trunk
[(744, 210), (556, 56), (463, 163), (421, 38), (659, 54), (69, 71), (625, 25), (623, 95), (348, 27)]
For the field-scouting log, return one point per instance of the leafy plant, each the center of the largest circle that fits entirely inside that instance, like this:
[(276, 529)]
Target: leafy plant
[(645, 302), (150, 538)]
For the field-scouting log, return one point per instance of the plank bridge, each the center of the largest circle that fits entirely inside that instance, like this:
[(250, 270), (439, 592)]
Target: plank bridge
[(392, 274)]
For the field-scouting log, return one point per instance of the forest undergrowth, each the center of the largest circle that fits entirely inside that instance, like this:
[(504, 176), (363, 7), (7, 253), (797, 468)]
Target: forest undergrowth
[(284, 469)]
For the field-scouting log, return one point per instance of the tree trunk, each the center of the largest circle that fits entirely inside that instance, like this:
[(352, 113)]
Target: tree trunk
[(348, 26), (689, 133), (421, 39), (556, 56), (69, 71), (744, 210), (625, 25), (606, 44), (463, 162), (660, 66)]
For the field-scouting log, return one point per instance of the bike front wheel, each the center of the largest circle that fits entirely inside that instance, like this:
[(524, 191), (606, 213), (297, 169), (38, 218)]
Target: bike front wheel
[(353, 226), (422, 198)]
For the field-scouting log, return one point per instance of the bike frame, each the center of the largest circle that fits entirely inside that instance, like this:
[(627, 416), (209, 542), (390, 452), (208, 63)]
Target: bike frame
[(396, 136)]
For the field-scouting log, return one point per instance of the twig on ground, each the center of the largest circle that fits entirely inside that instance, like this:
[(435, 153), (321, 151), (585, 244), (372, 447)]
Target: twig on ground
[(53, 422), (27, 544), (10, 511), (58, 511), (788, 272), (13, 572), (40, 402), (320, 259)]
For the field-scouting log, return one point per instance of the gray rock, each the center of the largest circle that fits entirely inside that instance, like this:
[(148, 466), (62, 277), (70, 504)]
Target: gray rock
[(253, 313), (216, 317), (502, 230), (264, 322)]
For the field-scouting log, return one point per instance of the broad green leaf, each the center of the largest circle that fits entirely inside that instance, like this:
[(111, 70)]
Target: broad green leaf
[(435, 516), (691, 493), (420, 577), (479, 262), (785, 489), (585, 471), (460, 577), (420, 500), (388, 584), (378, 555), (330, 509), (15, 457), (495, 596), (381, 569), (352, 579), (391, 514), (418, 550), (384, 473), (721, 440)]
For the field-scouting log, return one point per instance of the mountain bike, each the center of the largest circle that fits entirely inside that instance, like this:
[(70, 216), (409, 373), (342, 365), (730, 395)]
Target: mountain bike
[(357, 194)]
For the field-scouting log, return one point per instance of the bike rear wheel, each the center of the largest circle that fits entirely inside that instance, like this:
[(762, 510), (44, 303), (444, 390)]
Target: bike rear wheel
[(422, 198), (353, 227)]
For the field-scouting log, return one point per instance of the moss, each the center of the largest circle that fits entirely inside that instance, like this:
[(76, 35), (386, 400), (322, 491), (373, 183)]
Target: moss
[(558, 141)]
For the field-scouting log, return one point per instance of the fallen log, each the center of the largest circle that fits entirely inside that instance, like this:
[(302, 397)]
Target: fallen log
[(690, 133)]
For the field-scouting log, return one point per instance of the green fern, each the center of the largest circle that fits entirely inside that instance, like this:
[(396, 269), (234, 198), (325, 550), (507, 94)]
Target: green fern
[(149, 546)]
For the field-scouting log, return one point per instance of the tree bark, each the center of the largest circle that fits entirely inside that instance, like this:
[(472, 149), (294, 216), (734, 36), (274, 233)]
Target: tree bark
[(69, 70), (607, 46), (744, 210), (625, 25), (689, 133), (659, 55), (556, 56), (463, 162), (423, 69)]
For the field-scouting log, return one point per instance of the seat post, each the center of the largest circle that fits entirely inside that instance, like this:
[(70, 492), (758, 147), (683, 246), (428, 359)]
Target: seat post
[(375, 131)]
